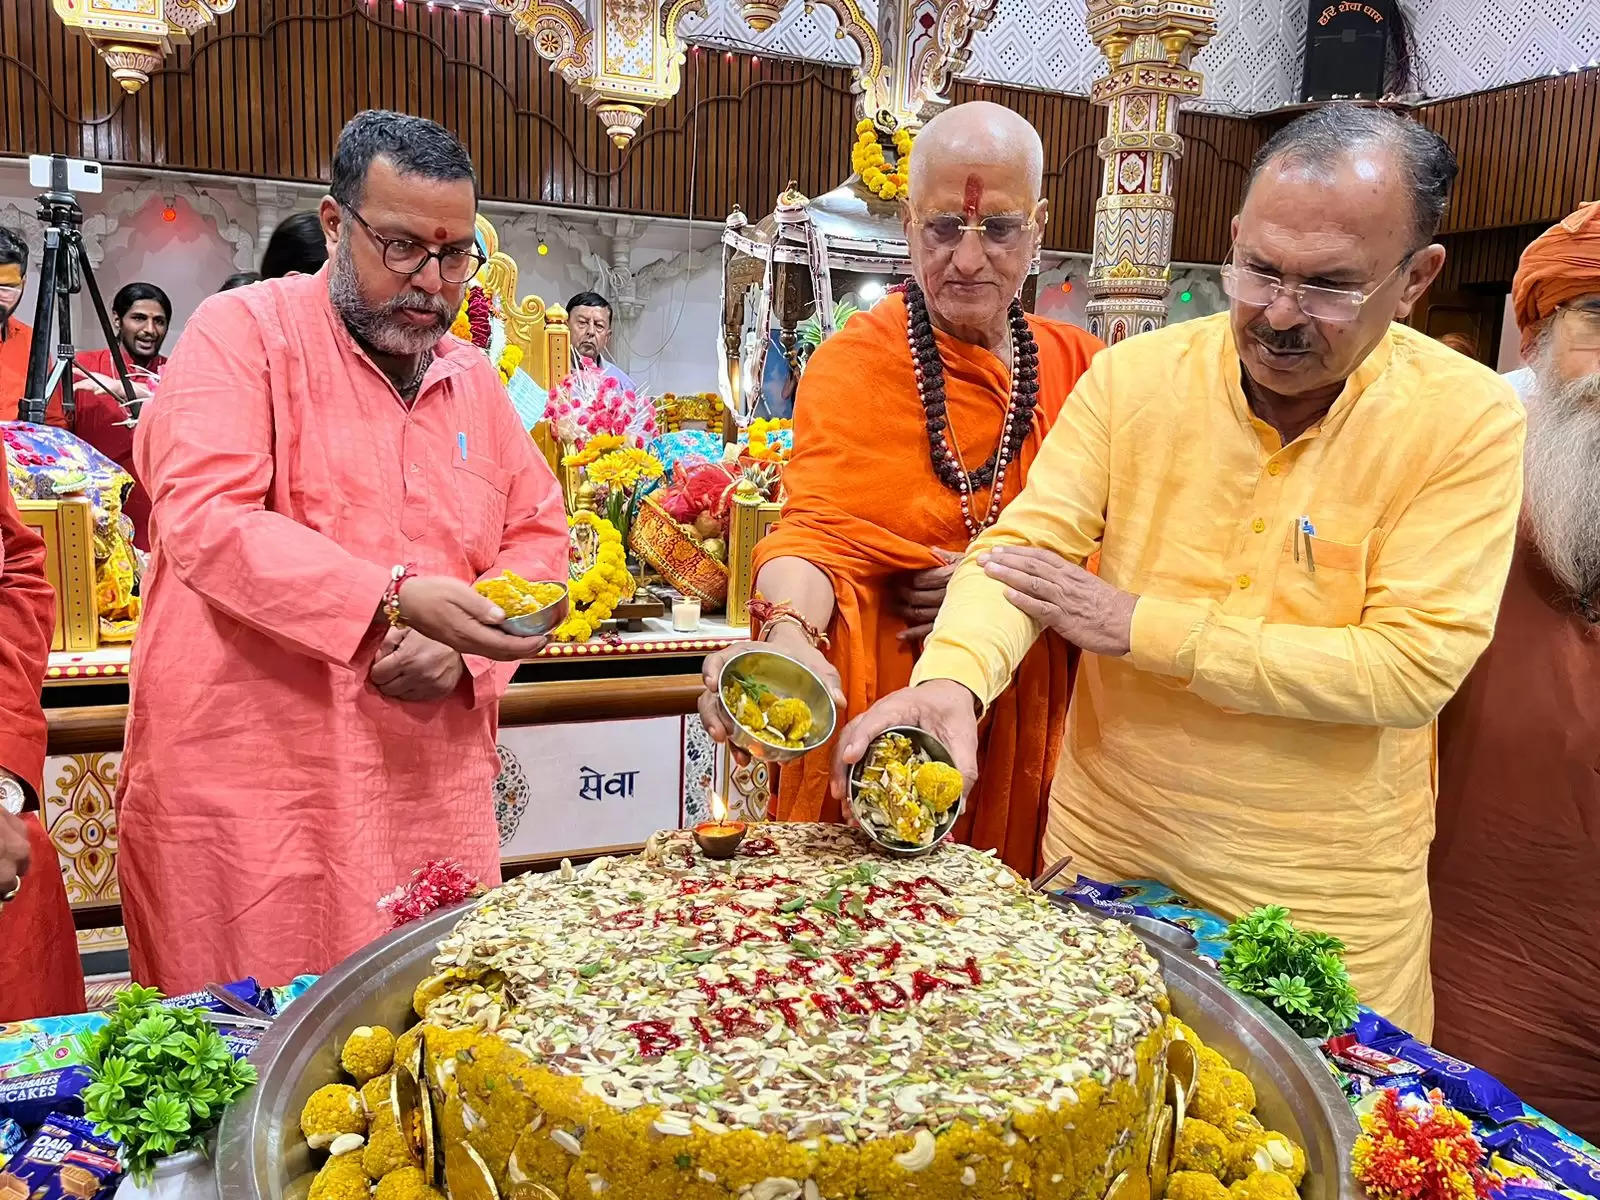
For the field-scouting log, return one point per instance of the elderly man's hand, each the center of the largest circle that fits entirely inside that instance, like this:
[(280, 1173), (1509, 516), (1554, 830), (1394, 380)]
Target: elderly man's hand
[(942, 707), (14, 852), (451, 612), (786, 639), (918, 597), (1081, 607)]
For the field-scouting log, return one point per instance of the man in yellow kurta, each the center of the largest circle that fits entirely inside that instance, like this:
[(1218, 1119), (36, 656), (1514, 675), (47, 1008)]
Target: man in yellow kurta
[(1305, 516)]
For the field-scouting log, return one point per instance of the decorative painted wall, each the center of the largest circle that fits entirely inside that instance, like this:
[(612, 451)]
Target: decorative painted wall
[(1471, 45)]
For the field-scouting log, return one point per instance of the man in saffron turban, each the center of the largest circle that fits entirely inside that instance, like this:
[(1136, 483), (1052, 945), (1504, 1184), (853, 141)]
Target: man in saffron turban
[(1516, 944)]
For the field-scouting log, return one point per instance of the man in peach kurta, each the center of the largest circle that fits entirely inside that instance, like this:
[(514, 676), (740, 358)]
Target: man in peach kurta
[(291, 756)]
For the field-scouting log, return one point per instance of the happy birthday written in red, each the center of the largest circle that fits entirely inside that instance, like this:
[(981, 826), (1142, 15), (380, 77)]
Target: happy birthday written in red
[(869, 991)]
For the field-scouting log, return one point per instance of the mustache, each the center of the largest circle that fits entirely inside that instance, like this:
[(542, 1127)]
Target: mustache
[(421, 302), (1280, 339)]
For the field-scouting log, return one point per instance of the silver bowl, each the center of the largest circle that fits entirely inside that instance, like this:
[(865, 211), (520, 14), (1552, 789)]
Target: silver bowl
[(261, 1154), (786, 677), (541, 620), (934, 749)]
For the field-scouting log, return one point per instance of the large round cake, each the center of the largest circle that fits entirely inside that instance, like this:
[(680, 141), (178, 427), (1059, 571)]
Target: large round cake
[(806, 1020)]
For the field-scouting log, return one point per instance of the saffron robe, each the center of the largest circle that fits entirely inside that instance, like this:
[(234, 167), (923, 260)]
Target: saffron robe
[(15, 341), (1516, 939), (270, 794), (40, 972), (865, 507)]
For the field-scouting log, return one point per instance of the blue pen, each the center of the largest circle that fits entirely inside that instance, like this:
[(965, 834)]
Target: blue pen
[(461, 440), (1308, 531)]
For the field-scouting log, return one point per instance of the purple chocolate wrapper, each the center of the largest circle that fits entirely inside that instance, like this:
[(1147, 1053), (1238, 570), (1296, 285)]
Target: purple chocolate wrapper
[(11, 1138), (1473, 1091), (1536, 1147), (29, 1099), (247, 990), (1375, 1031), (65, 1160), (1093, 889)]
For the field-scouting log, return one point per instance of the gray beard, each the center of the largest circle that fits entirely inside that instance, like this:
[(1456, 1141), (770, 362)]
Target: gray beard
[(1561, 488), (375, 324)]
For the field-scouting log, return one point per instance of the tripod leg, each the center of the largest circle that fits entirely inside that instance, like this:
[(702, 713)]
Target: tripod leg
[(112, 340), (35, 396)]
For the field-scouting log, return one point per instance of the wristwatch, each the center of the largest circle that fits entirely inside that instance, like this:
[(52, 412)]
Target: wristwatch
[(12, 794)]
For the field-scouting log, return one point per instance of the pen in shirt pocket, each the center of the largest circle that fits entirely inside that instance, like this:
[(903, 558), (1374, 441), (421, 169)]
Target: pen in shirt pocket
[(461, 441), (1306, 530)]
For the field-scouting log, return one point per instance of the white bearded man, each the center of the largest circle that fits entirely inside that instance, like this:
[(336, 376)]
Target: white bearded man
[(1516, 945)]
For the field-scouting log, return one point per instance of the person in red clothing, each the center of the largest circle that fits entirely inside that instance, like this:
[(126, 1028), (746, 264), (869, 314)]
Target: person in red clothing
[(141, 314), (15, 337), (40, 972)]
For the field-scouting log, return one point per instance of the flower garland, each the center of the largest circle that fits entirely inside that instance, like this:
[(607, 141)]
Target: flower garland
[(472, 323), (1421, 1150), (868, 160), (768, 448), (510, 360), (596, 593), (624, 469)]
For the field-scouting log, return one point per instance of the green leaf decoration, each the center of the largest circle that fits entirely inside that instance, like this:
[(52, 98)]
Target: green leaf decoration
[(159, 1079), (1300, 974)]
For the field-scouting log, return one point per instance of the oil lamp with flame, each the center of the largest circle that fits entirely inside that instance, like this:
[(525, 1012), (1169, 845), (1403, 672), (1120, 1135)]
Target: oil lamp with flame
[(719, 837)]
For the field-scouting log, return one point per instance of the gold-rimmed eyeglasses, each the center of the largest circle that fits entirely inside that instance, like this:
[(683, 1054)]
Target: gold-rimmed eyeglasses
[(1260, 290), (406, 257), (998, 233)]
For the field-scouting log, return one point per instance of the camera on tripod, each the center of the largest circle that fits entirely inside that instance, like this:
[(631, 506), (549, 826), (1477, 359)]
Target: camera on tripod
[(63, 270)]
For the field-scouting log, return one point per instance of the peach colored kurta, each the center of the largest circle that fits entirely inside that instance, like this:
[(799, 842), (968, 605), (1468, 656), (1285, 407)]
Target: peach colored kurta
[(270, 794)]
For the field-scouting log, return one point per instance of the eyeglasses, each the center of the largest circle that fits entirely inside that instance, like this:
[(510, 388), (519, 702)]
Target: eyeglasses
[(998, 233), (406, 257), (1319, 303)]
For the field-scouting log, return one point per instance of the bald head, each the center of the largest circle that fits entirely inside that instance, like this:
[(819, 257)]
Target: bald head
[(979, 138)]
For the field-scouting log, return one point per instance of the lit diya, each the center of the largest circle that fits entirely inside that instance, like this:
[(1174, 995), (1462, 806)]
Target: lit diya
[(719, 837)]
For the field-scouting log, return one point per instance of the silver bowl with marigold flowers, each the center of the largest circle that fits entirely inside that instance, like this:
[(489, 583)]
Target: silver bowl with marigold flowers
[(776, 708)]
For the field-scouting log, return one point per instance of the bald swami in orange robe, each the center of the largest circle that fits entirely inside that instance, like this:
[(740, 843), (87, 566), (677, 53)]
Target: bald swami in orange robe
[(270, 794), (864, 507), (40, 972)]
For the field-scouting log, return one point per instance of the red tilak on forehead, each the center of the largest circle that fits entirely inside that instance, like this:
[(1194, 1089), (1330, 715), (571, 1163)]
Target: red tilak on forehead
[(974, 196), (440, 233)]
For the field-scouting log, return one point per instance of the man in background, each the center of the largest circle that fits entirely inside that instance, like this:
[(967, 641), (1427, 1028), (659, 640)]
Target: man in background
[(589, 319), (40, 972), (141, 314), (1516, 943), (313, 693), (1304, 514), (16, 338)]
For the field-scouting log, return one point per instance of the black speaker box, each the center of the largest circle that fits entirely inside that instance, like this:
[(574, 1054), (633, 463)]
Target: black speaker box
[(1347, 49)]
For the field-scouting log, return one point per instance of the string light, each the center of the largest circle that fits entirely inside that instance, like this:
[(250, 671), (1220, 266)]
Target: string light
[(169, 214), (543, 249), (1066, 285), (1185, 296)]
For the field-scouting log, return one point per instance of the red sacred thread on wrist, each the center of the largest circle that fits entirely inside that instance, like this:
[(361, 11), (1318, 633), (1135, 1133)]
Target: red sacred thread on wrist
[(764, 614), (391, 594)]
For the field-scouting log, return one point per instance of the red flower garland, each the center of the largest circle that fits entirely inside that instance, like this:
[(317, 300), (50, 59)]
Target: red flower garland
[(436, 884), (478, 312), (1420, 1152)]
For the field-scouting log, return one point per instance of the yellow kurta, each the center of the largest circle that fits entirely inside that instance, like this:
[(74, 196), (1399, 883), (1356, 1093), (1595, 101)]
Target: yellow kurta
[(1270, 737)]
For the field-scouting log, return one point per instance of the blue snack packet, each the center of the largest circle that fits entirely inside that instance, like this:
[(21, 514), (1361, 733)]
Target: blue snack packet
[(1093, 889), (65, 1160), (1378, 1032), (11, 1138), (247, 990), (1536, 1147), (1473, 1091), (241, 1043), (29, 1099), (279, 998)]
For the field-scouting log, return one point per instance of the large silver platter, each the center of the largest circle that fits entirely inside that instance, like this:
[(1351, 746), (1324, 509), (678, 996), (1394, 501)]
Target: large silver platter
[(261, 1155)]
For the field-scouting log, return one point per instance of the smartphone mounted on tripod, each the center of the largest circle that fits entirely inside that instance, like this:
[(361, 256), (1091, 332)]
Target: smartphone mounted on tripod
[(63, 270)]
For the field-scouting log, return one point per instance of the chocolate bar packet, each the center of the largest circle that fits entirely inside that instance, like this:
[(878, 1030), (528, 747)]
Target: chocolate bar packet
[(247, 990), (1473, 1091), (29, 1099), (242, 1043), (11, 1138), (1366, 1060), (65, 1160), (1536, 1147)]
